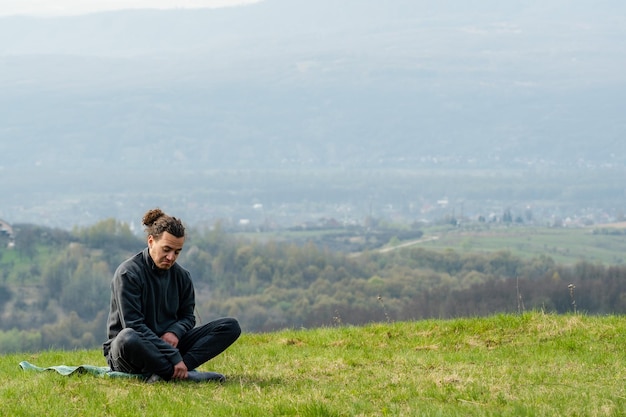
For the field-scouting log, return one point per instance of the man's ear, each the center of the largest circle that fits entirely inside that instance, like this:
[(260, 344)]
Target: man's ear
[(150, 240)]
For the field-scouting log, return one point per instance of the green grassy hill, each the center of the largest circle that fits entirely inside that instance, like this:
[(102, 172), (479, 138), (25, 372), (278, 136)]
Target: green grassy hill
[(506, 365), (567, 246)]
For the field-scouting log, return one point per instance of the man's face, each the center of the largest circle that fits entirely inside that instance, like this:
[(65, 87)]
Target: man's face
[(165, 250)]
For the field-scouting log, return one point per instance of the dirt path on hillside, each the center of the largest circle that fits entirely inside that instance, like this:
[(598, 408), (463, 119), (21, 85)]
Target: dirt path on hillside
[(407, 244), (400, 246)]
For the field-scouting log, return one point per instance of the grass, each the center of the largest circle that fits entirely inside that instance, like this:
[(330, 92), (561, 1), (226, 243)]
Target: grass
[(506, 365), (564, 245), (18, 267)]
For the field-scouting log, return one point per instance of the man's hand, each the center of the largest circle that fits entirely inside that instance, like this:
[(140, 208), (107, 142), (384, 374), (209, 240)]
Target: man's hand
[(170, 338), (180, 371)]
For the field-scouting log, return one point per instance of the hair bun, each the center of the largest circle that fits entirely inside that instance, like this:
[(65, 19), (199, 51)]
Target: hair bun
[(152, 216)]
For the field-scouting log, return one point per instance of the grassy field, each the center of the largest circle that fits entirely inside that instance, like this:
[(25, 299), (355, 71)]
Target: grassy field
[(597, 244), (506, 365), (564, 245)]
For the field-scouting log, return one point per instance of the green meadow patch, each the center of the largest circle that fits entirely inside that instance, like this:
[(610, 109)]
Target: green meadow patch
[(564, 245), (506, 365)]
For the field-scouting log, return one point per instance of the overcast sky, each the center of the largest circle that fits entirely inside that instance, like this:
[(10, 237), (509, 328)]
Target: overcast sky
[(74, 7)]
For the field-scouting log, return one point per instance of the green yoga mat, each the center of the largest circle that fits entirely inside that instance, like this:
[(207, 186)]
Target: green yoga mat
[(102, 371)]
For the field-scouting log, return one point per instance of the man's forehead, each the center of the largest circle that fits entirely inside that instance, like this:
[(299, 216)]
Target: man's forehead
[(167, 239)]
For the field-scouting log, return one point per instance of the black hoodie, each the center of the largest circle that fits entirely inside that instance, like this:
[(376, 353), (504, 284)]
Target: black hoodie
[(152, 301)]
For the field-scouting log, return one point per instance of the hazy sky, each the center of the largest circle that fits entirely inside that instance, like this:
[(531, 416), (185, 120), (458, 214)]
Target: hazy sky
[(74, 7)]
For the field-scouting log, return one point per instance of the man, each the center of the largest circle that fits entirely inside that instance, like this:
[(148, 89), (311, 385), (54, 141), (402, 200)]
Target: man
[(151, 319)]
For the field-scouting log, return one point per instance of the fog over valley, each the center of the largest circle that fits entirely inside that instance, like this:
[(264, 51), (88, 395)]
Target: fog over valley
[(285, 112)]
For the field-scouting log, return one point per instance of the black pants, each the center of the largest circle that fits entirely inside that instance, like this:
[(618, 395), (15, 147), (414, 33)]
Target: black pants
[(133, 354)]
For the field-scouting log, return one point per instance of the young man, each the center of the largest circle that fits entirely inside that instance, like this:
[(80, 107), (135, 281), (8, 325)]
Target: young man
[(151, 319)]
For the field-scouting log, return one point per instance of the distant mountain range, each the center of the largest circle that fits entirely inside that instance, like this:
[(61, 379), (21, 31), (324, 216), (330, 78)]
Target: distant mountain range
[(356, 84)]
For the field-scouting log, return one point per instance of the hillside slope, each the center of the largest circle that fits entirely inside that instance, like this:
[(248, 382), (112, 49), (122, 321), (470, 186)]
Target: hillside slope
[(507, 365), (315, 83)]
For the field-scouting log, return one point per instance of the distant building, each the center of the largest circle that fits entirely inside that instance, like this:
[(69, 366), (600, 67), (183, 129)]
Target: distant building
[(7, 230)]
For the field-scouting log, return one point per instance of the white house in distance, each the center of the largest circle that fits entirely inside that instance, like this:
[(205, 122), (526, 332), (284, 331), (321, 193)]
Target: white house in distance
[(7, 230)]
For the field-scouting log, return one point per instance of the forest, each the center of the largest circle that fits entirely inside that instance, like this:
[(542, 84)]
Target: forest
[(54, 284)]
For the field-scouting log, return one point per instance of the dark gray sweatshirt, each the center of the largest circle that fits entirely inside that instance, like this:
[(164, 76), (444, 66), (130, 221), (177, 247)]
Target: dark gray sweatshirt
[(152, 301)]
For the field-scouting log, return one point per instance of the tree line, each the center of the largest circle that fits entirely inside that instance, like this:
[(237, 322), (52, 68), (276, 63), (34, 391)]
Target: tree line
[(54, 285)]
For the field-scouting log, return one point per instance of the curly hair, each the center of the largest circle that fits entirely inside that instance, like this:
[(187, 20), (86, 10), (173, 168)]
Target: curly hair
[(156, 222)]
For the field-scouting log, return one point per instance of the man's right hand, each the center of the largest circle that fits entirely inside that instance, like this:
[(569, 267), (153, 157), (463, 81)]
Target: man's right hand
[(180, 371)]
